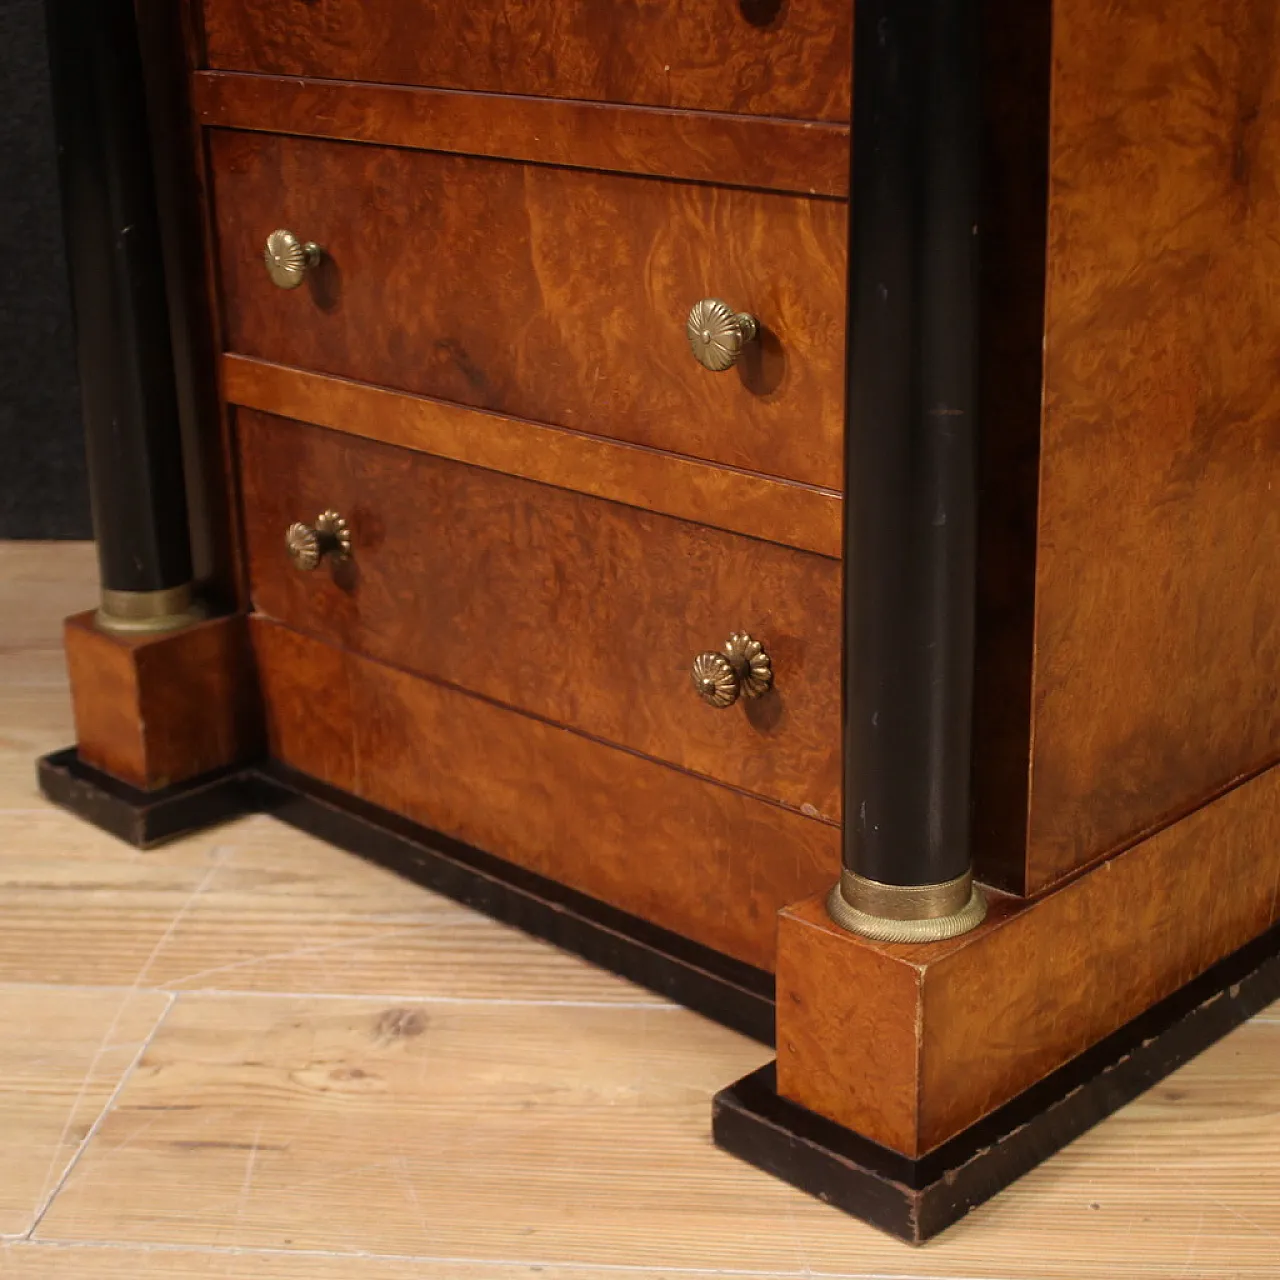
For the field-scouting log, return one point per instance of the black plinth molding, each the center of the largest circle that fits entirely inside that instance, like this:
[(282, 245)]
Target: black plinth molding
[(143, 818), (916, 1199), (726, 990)]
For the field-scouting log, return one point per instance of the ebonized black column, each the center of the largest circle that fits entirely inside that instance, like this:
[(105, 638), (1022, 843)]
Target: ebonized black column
[(128, 392), (910, 532)]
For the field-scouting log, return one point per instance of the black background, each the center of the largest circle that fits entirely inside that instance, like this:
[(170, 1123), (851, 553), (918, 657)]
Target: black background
[(43, 491)]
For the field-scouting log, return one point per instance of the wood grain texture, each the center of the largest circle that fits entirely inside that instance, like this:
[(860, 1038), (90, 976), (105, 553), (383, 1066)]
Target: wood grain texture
[(286, 912), (759, 506), (552, 294), (770, 57), (40, 584), (63, 1054), (1157, 676), (582, 612), (1038, 983), (80, 905), (733, 150), (35, 718), (700, 859), (157, 709), (314, 1139)]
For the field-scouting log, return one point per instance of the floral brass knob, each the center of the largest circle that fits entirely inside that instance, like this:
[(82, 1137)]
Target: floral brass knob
[(717, 333), (309, 545), (741, 667), (288, 259)]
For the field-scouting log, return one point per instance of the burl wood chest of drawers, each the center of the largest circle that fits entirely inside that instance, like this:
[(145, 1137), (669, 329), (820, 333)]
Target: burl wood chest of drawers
[(495, 379)]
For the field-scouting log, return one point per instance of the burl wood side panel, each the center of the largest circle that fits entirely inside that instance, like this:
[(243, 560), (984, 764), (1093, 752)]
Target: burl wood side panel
[(764, 57), (1037, 984), (700, 859), (156, 710), (740, 151), (1158, 593), (759, 506), (558, 295), (584, 612)]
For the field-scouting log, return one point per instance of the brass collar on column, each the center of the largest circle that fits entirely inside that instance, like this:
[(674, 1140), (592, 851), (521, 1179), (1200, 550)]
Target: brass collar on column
[(148, 611), (906, 913)]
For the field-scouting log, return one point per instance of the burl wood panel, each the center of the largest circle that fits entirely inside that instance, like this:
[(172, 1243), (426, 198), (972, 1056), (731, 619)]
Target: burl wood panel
[(764, 57), (155, 710), (585, 612), (1158, 593), (742, 151), (759, 506), (960, 1027), (553, 294), (691, 856)]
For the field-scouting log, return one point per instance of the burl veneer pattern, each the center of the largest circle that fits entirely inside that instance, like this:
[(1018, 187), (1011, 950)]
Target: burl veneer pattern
[(691, 856), (584, 612), (553, 294), (769, 57), (155, 710), (742, 151), (759, 506), (1157, 670), (910, 1045)]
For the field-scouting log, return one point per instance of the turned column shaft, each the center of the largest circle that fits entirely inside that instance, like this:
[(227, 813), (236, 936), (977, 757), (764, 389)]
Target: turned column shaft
[(911, 458), (128, 394)]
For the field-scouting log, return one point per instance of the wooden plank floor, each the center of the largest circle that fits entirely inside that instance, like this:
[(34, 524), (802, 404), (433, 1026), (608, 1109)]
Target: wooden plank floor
[(247, 1055)]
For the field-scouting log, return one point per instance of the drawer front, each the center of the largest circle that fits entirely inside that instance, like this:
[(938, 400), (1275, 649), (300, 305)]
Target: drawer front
[(705, 861), (761, 57), (584, 612), (558, 295)]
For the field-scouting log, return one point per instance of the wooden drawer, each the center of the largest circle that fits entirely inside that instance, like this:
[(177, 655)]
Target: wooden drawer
[(763, 57), (558, 295), (702, 860), (584, 612)]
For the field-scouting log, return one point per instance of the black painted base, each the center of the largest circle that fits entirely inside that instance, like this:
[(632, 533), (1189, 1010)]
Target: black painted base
[(143, 818), (726, 990), (911, 1199), (916, 1199)]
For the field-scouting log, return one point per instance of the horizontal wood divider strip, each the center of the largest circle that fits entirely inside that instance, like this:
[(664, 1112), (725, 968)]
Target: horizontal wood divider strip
[(701, 146), (774, 510)]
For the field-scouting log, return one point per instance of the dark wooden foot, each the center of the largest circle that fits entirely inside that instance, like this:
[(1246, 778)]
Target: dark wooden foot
[(143, 818), (916, 1199)]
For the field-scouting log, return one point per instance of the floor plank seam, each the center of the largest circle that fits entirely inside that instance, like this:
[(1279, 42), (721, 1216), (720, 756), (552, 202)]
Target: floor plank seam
[(413, 929), (522, 1265), (378, 997), (217, 857), (101, 988), (48, 1197)]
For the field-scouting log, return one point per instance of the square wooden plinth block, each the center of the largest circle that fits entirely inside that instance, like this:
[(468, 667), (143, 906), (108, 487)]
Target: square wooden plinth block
[(910, 1045), (154, 710)]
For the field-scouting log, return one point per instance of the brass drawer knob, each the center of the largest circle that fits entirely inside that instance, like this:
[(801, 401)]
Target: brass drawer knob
[(288, 259), (741, 667), (308, 546), (717, 333)]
